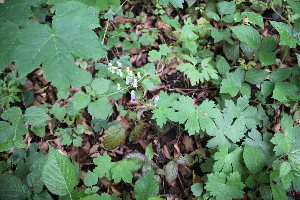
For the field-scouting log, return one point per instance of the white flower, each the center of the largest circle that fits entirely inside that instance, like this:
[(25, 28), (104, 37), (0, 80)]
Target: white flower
[(119, 64), (134, 82), (133, 98), (139, 75), (118, 86), (120, 73)]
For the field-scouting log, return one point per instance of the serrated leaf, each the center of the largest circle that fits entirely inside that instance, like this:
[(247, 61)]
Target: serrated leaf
[(278, 192), (104, 166), (114, 136), (58, 112), (90, 179), (80, 100), (285, 168), (228, 162), (58, 174), (197, 189), (100, 85), (100, 108), (286, 34), (149, 153), (222, 65), (12, 188), (255, 75), (231, 51), (5, 146), (225, 187), (280, 74), (12, 114), (284, 90), (101, 5), (123, 171), (254, 18), (268, 43), (266, 58), (146, 187), (171, 170), (248, 35), (71, 33), (9, 38), (36, 116), (226, 8), (253, 159), (175, 3)]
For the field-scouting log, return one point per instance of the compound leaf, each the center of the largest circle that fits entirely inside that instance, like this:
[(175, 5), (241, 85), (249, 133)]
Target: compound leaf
[(146, 186), (71, 33), (58, 174), (225, 187)]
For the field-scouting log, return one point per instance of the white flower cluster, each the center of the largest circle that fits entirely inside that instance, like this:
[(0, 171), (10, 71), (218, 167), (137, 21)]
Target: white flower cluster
[(131, 78)]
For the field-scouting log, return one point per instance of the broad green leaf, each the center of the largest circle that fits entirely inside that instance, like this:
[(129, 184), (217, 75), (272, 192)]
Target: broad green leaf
[(100, 85), (58, 173), (294, 157), (197, 189), (149, 154), (285, 168), (126, 45), (266, 58), (58, 112), (268, 43), (175, 3), (266, 193), (225, 187), (104, 166), (100, 108), (5, 146), (248, 35), (146, 187), (123, 171), (171, 171), (280, 74), (287, 37), (226, 8), (278, 192), (253, 159), (267, 88), (222, 65), (286, 142), (254, 18), (39, 130), (36, 115), (283, 91), (255, 75), (90, 179), (80, 100), (9, 33), (228, 162), (231, 51), (162, 112), (101, 5), (114, 136), (12, 188), (12, 114), (71, 33), (187, 34)]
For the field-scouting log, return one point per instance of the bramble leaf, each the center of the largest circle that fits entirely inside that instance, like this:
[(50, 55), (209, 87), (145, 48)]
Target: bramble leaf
[(71, 33), (225, 187), (58, 173), (287, 37), (12, 114), (36, 115), (248, 35), (146, 186), (13, 188)]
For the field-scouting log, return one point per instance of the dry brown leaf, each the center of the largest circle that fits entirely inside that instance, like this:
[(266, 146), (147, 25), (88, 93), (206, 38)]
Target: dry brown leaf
[(188, 143), (167, 152), (177, 152)]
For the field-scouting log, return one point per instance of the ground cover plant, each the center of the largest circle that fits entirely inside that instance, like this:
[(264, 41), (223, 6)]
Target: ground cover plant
[(148, 100)]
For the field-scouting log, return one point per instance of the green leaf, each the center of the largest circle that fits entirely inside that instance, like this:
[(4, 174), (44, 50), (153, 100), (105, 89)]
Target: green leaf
[(287, 37), (104, 166), (5, 146), (253, 159), (280, 74), (254, 18), (278, 192), (231, 51), (268, 43), (12, 188), (197, 189), (101, 5), (171, 170), (146, 187), (162, 112), (226, 8), (100, 108), (225, 187), (90, 179), (175, 3), (36, 115), (228, 162), (149, 154), (9, 37), (255, 75), (12, 114), (80, 100), (58, 112), (266, 58), (123, 171), (248, 35), (126, 45), (222, 65), (71, 33), (58, 174), (284, 90), (100, 85), (114, 136), (286, 142), (285, 168)]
